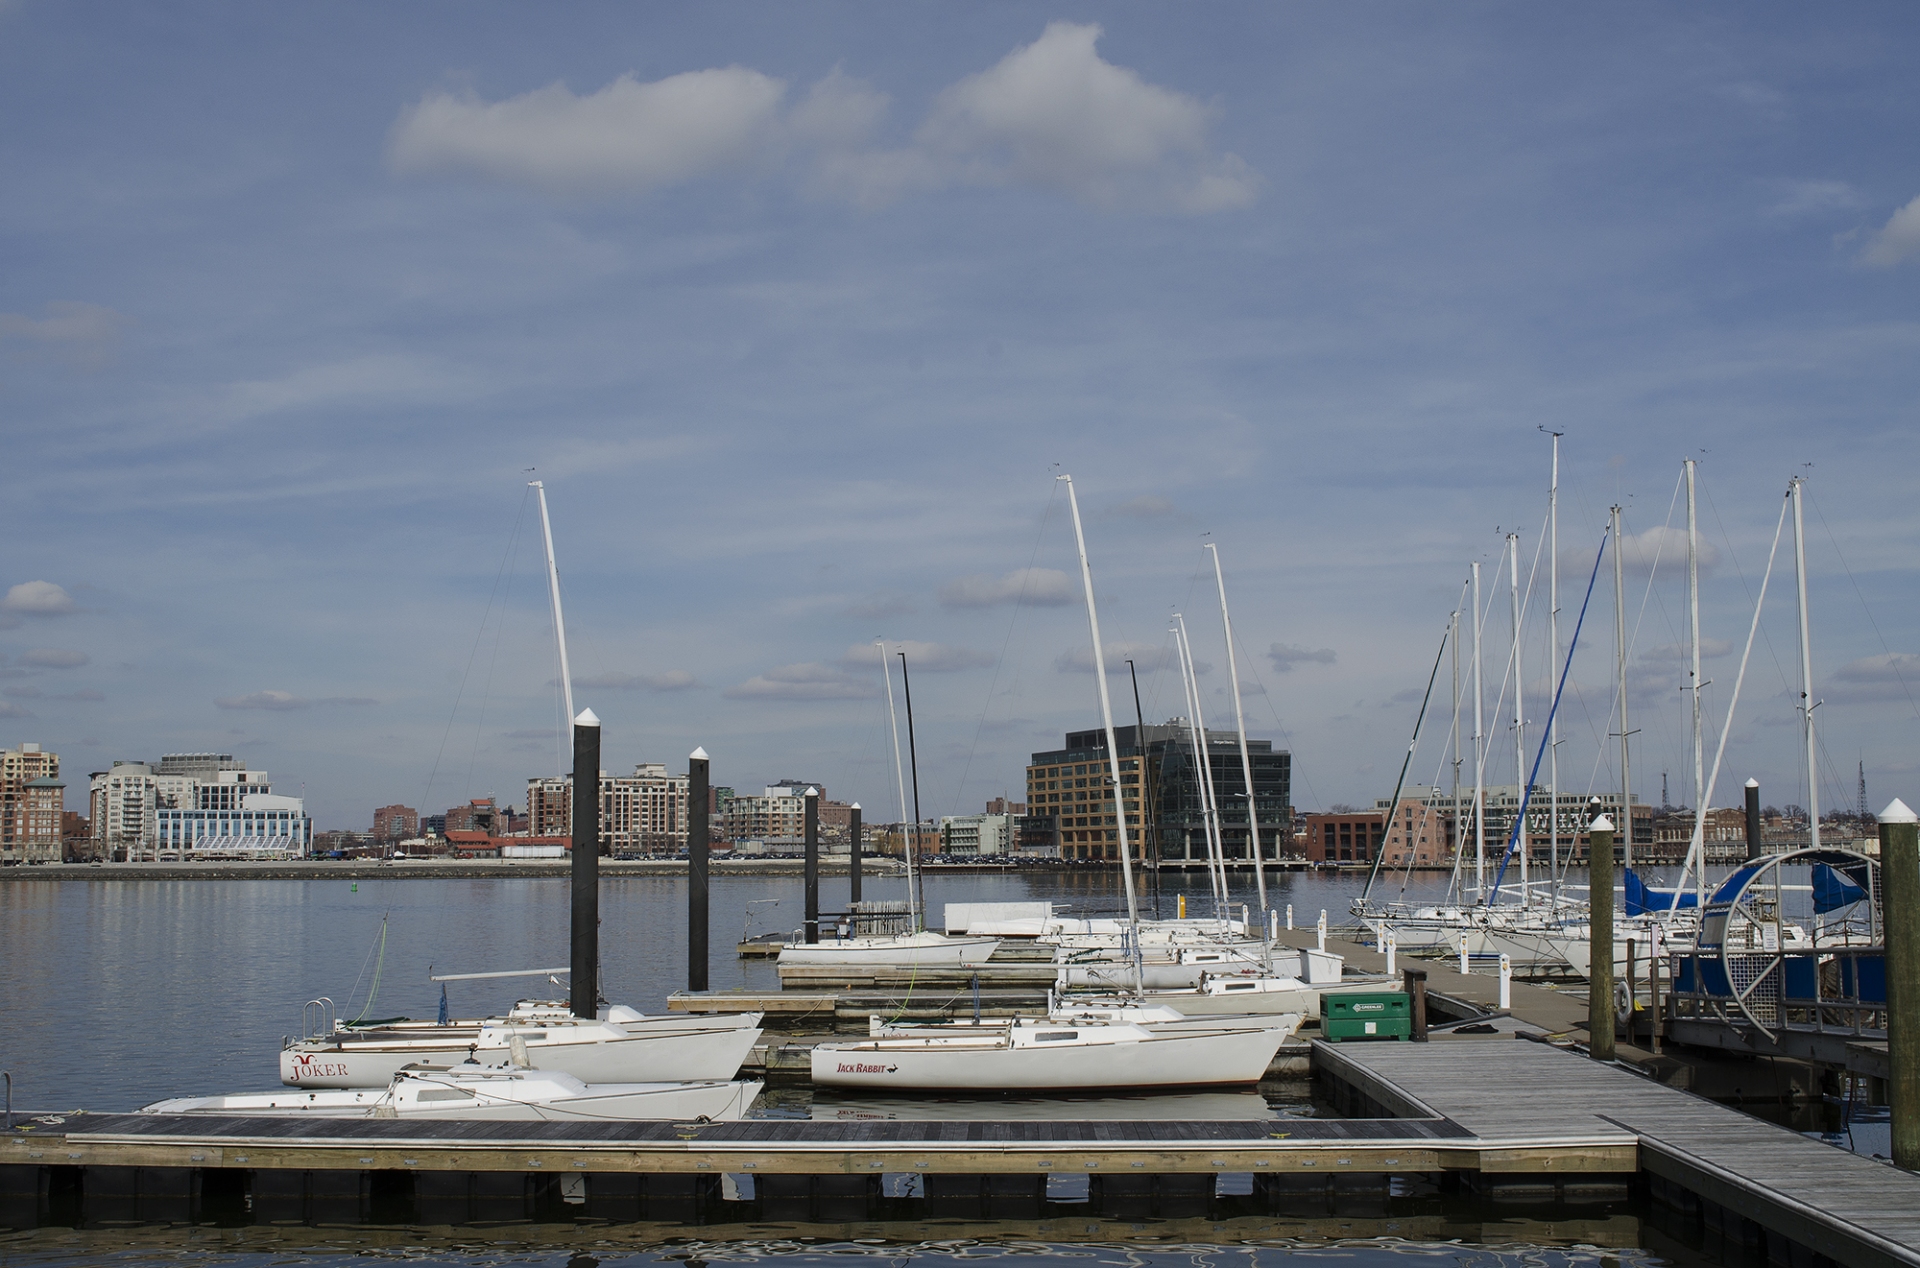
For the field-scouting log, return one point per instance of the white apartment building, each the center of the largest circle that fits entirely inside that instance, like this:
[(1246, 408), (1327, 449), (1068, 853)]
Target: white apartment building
[(261, 826), (778, 814), (641, 813), (191, 803), (977, 834)]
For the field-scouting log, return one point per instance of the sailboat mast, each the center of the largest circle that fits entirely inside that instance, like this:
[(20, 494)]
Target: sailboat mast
[(559, 620), (1203, 773), (900, 779), (1519, 720), (1246, 759), (1553, 668), (1479, 754), (1806, 668), (1693, 633), (1620, 681), (1454, 635), (1113, 741)]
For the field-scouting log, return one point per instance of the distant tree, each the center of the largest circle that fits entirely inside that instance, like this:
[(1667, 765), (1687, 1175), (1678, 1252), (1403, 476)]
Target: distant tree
[(1342, 808), (1770, 812)]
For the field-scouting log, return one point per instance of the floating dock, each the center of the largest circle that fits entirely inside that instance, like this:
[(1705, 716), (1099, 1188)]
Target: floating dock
[(1521, 1120)]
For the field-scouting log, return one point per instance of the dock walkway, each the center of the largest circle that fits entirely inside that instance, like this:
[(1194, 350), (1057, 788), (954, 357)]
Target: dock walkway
[(1851, 1209)]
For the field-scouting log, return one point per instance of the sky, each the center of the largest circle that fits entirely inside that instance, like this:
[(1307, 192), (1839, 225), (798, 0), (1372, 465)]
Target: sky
[(799, 310)]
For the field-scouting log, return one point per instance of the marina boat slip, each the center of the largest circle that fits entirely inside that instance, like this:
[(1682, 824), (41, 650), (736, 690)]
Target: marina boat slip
[(623, 1047), (1043, 1054), (491, 1093)]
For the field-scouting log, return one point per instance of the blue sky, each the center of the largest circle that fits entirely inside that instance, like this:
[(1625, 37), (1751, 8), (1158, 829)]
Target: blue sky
[(796, 307)]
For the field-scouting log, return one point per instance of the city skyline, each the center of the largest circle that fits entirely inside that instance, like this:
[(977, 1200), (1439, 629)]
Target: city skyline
[(300, 304)]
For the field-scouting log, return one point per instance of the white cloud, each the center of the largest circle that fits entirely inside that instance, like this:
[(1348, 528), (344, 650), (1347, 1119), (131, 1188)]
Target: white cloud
[(1897, 240), (380, 377), (1054, 114), (1286, 655), (274, 700), (627, 136), (54, 658), (10, 710), (1146, 507), (282, 701), (934, 658), (1146, 657), (82, 334), (1812, 198), (1046, 586), (671, 680), (1639, 552), (1709, 648), (1892, 669), (808, 681), (37, 598)]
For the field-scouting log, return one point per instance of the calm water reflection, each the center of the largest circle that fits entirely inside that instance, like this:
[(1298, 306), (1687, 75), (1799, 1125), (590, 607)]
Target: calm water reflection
[(117, 993)]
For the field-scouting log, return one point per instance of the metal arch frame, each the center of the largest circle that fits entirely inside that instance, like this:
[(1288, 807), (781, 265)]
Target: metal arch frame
[(1746, 970)]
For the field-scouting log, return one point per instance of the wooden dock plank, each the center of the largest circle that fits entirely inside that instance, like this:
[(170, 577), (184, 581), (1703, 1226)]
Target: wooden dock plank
[(1813, 1193)]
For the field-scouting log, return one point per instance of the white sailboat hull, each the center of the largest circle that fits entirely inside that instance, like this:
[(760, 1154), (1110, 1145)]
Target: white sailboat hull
[(1216, 1058), (605, 1052), (924, 949), (493, 1100)]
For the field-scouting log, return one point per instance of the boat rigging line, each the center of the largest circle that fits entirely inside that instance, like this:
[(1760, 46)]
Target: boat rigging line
[(1519, 830), (1393, 804)]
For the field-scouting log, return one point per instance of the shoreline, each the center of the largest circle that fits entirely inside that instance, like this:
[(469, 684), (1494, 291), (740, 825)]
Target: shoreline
[(416, 869)]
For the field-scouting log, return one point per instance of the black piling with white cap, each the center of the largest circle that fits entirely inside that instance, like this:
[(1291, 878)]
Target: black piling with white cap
[(853, 859), (699, 843), (586, 865), (1753, 820), (812, 802)]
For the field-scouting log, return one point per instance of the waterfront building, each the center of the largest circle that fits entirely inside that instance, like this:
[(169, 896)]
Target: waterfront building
[(1345, 836), (261, 825), (30, 805), (778, 817), (980, 834), (641, 813), (122, 802), (395, 823), (1071, 810), (197, 765)]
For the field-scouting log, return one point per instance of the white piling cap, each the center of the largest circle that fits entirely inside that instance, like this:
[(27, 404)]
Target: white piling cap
[(811, 792), (1753, 783), (698, 755), (1602, 824), (586, 718), (1897, 812), (854, 806)]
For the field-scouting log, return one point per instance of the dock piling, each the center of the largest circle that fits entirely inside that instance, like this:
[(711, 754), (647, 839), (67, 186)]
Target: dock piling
[(1600, 926), (1754, 849), (1900, 873), (699, 845), (853, 860), (1416, 983), (585, 970), (812, 801)]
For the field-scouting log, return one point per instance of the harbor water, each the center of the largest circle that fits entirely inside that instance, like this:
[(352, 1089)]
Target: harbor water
[(116, 993)]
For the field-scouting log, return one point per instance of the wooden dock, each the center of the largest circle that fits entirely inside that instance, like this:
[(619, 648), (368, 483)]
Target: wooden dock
[(1700, 1157), (1511, 1120)]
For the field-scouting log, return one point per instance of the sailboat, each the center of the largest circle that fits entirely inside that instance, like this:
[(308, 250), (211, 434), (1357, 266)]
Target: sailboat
[(620, 1044), (1079, 1053), (923, 948)]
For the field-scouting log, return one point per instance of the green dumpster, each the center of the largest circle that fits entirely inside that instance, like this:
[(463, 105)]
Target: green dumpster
[(1368, 1015)]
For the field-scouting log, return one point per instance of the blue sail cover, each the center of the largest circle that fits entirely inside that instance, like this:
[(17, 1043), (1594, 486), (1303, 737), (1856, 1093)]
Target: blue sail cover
[(1644, 900), (1832, 890)]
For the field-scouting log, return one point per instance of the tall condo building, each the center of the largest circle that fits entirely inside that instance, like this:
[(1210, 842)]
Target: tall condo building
[(31, 802), (641, 813), (1071, 808)]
